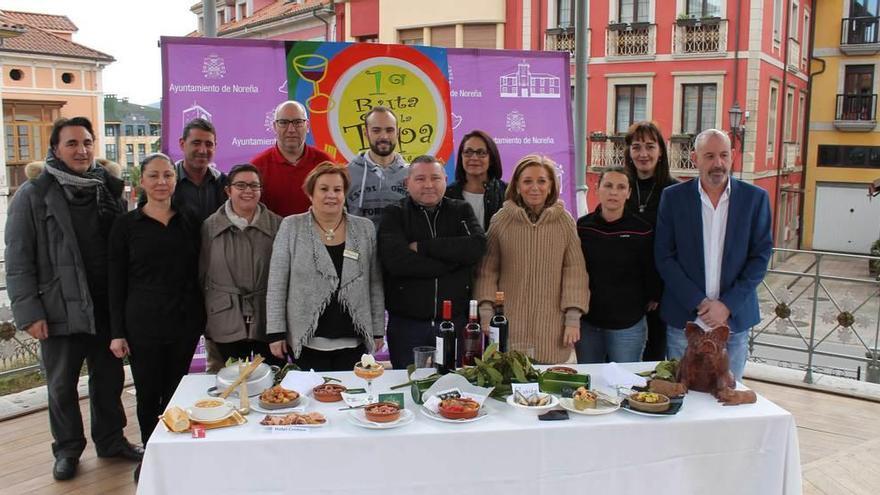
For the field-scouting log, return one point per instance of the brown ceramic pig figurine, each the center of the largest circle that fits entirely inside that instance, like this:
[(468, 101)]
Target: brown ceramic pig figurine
[(705, 366)]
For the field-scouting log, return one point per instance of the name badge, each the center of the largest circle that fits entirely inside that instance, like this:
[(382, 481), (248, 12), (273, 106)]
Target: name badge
[(348, 253)]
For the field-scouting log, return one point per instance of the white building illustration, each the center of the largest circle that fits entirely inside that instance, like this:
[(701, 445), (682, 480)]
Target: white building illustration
[(195, 112), (525, 84)]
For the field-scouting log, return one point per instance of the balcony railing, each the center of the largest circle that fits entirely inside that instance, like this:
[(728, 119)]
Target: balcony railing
[(856, 107), (700, 37), (561, 39), (637, 39), (860, 35), (790, 155), (794, 55), (680, 149), (606, 151)]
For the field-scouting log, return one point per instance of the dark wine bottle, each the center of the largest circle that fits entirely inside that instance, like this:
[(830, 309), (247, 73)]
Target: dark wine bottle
[(473, 337), (498, 326), (444, 354)]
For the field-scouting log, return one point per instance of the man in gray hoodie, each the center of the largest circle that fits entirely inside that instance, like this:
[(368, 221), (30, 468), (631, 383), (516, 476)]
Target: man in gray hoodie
[(378, 175)]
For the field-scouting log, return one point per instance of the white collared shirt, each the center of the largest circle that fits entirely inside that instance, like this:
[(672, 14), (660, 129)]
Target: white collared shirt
[(714, 231)]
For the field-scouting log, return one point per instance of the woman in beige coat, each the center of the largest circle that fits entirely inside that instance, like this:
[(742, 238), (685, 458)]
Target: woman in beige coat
[(234, 267), (534, 257)]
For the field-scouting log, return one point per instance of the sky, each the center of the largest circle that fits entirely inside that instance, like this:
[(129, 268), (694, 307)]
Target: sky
[(126, 29)]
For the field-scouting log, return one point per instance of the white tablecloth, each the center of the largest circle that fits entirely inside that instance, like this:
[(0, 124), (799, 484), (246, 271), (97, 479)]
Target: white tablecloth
[(704, 449)]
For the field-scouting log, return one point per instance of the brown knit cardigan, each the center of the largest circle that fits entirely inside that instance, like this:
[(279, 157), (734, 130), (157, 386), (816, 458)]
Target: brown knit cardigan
[(541, 269)]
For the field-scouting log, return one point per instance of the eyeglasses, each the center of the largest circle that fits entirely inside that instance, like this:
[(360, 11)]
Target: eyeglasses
[(479, 153), (241, 186), (283, 123)]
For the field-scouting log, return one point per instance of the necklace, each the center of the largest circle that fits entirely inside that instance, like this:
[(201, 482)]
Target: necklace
[(329, 234), (642, 206)]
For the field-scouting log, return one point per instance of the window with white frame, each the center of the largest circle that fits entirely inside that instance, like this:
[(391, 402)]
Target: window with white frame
[(801, 125), (777, 20), (698, 107), (630, 11), (564, 13), (793, 23), (771, 116), (787, 129), (805, 37), (703, 8), (630, 105)]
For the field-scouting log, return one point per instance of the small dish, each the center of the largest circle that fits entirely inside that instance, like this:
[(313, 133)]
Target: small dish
[(328, 392), (382, 412), (358, 418), (481, 414), (536, 410), (649, 402), (301, 404), (197, 419), (601, 408)]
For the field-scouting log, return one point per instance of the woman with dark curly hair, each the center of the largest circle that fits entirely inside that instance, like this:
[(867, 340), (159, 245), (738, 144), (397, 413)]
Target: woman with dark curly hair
[(647, 162), (478, 176)]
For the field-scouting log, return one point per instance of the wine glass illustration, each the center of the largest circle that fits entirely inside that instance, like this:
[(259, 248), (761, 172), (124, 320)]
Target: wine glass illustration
[(313, 67)]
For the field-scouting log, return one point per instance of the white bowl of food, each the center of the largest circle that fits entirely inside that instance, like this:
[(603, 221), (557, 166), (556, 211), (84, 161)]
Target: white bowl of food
[(536, 404)]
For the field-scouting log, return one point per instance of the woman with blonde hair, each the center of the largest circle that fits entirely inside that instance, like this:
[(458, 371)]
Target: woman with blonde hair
[(534, 257)]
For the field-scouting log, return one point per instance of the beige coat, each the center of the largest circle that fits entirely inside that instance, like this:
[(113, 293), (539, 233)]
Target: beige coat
[(234, 271), (540, 268)]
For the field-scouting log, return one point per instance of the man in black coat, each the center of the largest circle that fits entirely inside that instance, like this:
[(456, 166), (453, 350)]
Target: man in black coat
[(429, 246), (56, 262)]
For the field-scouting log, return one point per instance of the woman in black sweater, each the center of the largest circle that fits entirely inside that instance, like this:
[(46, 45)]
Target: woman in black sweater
[(478, 176), (156, 307), (647, 162), (618, 250)]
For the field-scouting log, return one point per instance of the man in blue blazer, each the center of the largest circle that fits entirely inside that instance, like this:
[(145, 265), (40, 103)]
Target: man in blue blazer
[(712, 247)]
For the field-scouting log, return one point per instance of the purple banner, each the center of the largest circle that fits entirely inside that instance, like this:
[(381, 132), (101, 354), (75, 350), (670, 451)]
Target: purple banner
[(235, 84), (520, 98)]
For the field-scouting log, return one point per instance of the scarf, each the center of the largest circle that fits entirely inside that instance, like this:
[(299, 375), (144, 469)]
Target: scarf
[(238, 221), (94, 178)]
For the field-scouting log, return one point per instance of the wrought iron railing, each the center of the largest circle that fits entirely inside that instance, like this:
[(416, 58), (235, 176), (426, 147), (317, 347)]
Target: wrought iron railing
[(562, 39), (790, 155), (680, 149), (606, 151), (856, 107), (630, 40), (794, 55), (697, 37), (821, 312), (859, 30)]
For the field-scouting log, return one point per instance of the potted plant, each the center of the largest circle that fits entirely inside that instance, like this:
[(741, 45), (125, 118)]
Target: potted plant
[(618, 26), (710, 21), (684, 19), (874, 265), (598, 137)]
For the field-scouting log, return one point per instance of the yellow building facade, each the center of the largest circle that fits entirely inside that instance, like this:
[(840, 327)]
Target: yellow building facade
[(843, 155)]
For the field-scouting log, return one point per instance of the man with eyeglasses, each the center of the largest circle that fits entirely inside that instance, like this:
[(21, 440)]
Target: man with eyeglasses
[(378, 175), (285, 165)]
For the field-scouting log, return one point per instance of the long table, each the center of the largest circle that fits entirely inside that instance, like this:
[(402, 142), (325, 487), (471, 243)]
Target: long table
[(705, 448)]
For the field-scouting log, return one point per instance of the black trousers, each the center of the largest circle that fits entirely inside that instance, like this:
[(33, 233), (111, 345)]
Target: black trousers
[(655, 347), (63, 357), (338, 360), (157, 368), (242, 349)]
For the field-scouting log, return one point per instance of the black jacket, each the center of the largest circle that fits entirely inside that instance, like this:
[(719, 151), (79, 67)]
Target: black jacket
[(493, 198), (450, 244), (620, 261)]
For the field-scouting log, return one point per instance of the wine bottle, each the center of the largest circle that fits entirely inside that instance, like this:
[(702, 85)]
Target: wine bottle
[(498, 326), (473, 337), (444, 353)]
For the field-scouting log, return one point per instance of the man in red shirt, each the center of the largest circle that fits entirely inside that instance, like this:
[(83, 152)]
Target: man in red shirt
[(284, 167)]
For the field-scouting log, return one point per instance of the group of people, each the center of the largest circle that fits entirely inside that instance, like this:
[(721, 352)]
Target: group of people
[(299, 259)]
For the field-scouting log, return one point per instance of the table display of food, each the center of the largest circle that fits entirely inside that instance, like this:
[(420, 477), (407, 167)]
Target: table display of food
[(502, 426)]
